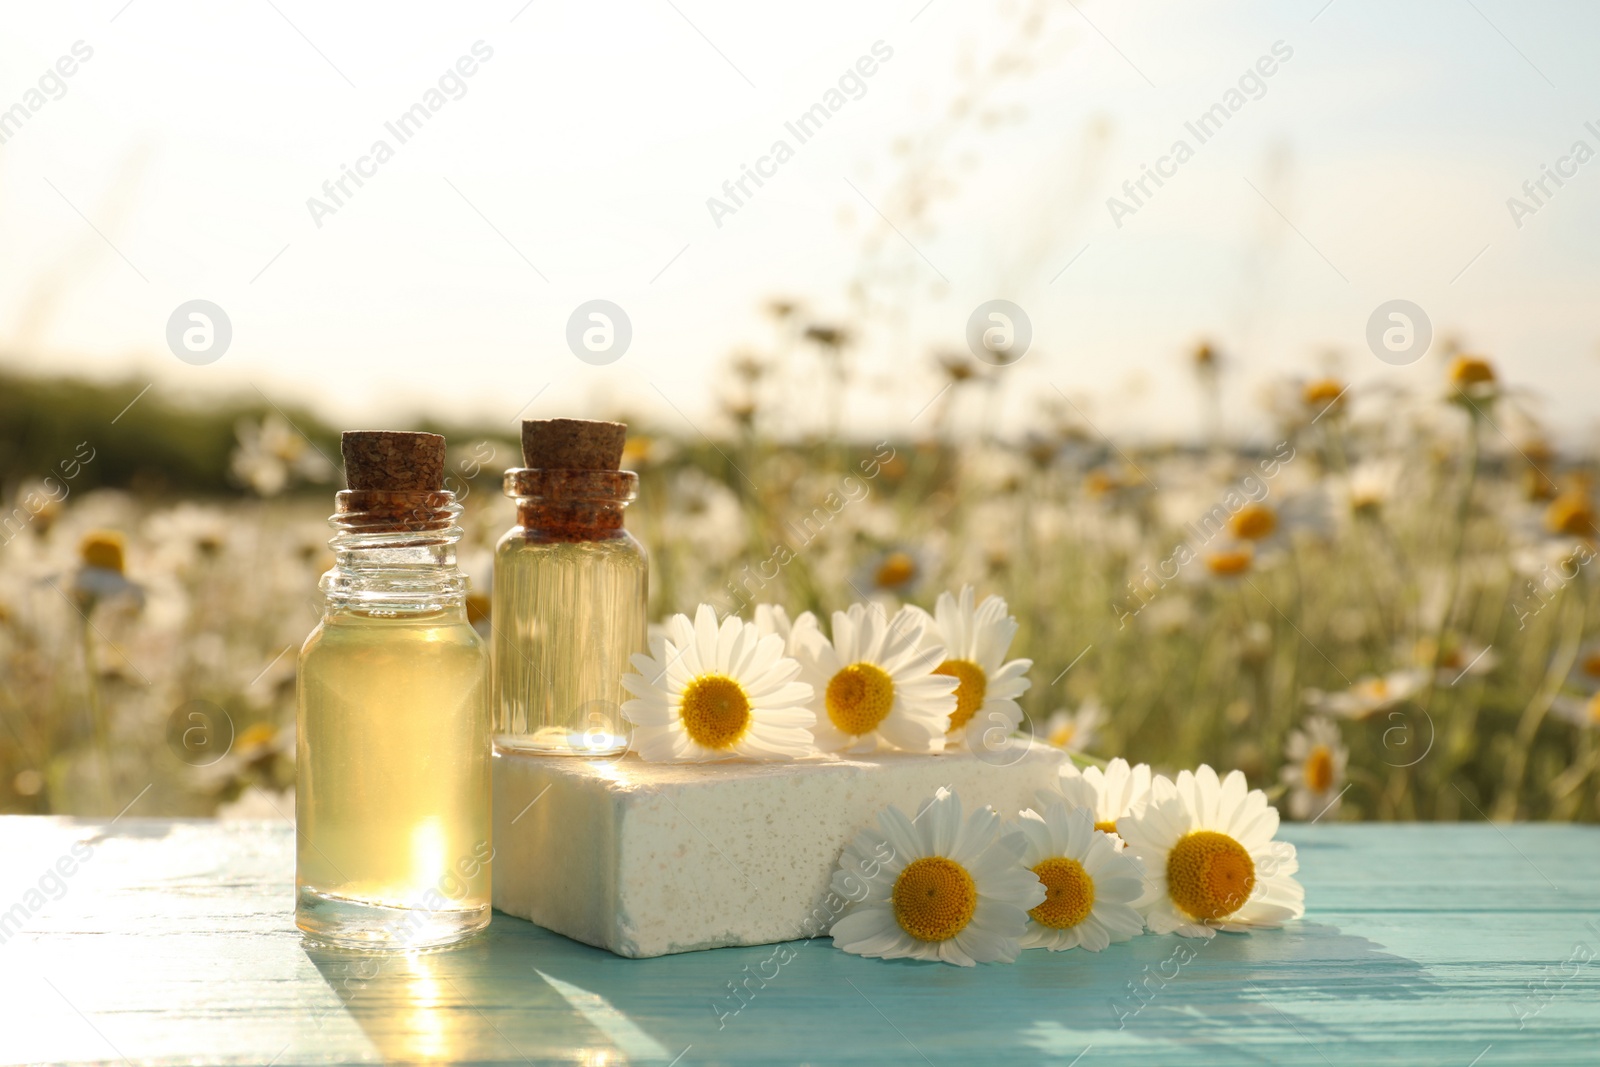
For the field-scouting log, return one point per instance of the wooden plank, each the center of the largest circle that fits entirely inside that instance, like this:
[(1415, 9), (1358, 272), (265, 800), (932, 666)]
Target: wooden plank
[(172, 943)]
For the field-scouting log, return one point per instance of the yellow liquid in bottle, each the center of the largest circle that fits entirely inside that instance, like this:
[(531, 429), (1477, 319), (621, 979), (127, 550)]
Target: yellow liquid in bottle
[(567, 618), (392, 797)]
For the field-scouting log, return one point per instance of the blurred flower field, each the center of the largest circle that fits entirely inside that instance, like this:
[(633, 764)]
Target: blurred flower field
[(1382, 610)]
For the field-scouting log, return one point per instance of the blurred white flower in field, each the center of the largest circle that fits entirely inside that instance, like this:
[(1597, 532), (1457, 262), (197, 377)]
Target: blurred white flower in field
[(1170, 613), (1461, 658), (1585, 672), (1580, 711), (1315, 773), (895, 572), (101, 574), (1075, 731), (190, 533), (271, 454), (1369, 694), (706, 515), (1370, 486)]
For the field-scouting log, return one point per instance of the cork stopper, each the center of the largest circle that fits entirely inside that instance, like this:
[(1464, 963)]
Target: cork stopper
[(393, 460), (573, 444)]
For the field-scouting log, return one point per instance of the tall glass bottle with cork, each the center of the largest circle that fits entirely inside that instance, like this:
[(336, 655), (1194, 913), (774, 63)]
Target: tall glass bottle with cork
[(570, 586), (392, 791)]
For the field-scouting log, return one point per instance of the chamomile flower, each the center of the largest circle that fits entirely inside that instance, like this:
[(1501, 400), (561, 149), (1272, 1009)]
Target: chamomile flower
[(1109, 794), (1585, 672), (1074, 731), (1370, 694), (102, 574), (1315, 772), (1209, 857), (1472, 379), (945, 886), (772, 619), (709, 691), (874, 681), (1460, 658), (1089, 885), (975, 639), (1580, 711)]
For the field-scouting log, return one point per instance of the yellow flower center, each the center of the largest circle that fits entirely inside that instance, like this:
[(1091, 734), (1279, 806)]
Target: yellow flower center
[(1319, 769), (972, 683), (1470, 370), (715, 711), (1229, 564), (1106, 826), (897, 568), (104, 549), (1571, 514), (1373, 688), (1068, 893), (1209, 875), (1594, 710), (1062, 735), (934, 898), (1101, 483), (859, 698), (1253, 522), (1322, 392)]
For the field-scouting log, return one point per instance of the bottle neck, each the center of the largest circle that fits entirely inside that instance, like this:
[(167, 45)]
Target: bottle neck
[(394, 552), (555, 505)]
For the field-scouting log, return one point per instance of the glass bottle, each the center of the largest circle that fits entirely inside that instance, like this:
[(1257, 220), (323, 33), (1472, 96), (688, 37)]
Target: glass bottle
[(570, 586), (393, 787)]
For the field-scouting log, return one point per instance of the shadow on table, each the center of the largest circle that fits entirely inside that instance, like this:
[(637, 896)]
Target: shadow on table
[(1232, 993), (522, 994)]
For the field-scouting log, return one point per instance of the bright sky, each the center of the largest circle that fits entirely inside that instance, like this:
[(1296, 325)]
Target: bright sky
[(575, 162)]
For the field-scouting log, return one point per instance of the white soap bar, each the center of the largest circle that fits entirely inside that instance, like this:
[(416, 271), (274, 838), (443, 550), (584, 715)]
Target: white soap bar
[(646, 859)]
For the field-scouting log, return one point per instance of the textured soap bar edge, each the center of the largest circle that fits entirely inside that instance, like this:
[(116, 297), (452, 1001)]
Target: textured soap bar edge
[(581, 888)]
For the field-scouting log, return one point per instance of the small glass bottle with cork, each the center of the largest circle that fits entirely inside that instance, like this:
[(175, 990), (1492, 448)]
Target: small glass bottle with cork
[(393, 790), (570, 589)]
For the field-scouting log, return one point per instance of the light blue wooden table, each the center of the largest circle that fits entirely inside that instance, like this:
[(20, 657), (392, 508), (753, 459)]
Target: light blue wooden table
[(172, 943)]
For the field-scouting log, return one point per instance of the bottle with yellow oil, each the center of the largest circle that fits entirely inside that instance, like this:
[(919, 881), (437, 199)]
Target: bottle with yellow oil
[(392, 791), (570, 585)]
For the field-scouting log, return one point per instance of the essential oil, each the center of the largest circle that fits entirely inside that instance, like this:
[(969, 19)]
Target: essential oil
[(570, 590), (392, 790)]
